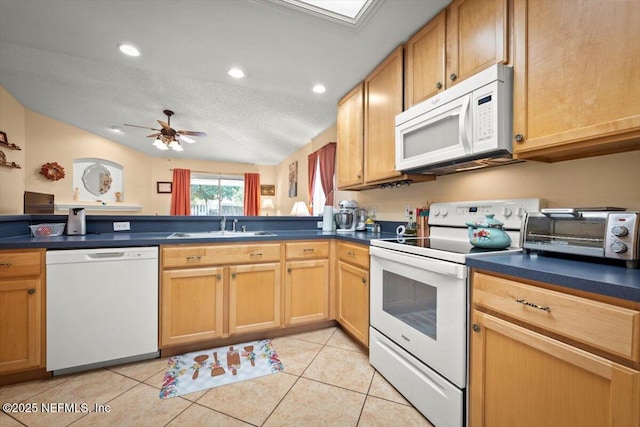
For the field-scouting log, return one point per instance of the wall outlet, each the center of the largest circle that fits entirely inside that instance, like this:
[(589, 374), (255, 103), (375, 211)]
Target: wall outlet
[(319, 224), (407, 211), (122, 226)]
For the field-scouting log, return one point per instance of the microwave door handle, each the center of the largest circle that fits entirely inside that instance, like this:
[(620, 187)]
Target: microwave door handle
[(463, 125)]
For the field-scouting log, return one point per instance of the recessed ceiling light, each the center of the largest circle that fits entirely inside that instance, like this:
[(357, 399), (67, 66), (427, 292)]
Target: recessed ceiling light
[(236, 73), (319, 89), (128, 49), (116, 129)]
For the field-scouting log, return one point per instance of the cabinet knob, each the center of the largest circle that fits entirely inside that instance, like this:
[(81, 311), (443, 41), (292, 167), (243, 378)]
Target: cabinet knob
[(364, 280), (453, 76), (475, 327), (438, 85), (288, 270), (519, 137), (219, 277), (31, 291), (233, 275)]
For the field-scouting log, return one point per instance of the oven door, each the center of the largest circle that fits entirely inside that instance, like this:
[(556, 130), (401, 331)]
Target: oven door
[(420, 304)]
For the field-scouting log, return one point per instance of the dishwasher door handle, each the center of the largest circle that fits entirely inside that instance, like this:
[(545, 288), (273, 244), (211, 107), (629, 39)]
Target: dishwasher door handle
[(105, 255)]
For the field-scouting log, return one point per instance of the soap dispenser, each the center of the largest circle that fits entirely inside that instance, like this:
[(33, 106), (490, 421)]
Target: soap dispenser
[(76, 222)]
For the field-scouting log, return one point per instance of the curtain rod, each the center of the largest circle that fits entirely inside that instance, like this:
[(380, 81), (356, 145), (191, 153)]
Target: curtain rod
[(213, 173)]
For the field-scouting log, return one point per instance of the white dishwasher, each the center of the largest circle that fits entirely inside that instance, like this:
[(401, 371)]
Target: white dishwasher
[(102, 307)]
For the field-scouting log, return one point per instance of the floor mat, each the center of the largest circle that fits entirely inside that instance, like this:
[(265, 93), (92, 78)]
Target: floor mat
[(206, 369)]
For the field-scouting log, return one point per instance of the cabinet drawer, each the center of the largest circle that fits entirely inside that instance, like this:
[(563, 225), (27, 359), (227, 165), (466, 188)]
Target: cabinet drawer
[(20, 264), (354, 254), (193, 256), (306, 250), (605, 326)]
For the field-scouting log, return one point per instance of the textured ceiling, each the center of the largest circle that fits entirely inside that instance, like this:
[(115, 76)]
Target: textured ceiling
[(59, 58)]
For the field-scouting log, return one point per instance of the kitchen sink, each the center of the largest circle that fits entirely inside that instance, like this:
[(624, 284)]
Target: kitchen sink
[(219, 234)]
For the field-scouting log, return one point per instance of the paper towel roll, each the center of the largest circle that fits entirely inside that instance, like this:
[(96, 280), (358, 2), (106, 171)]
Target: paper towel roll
[(327, 219)]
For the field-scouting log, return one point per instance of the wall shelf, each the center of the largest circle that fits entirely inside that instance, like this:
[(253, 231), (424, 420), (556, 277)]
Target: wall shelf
[(97, 206), (13, 165), (9, 146)]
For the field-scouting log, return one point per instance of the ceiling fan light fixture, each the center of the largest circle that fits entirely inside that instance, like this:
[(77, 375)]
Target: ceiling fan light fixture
[(162, 147), (175, 145), (236, 73), (129, 49)]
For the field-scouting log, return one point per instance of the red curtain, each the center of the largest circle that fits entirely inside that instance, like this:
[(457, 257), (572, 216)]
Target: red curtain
[(181, 192), (327, 156), (313, 158), (252, 194)]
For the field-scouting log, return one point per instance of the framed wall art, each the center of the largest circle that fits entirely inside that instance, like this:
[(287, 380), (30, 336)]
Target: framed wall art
[(293, 179), (267, 190), (163, 187)]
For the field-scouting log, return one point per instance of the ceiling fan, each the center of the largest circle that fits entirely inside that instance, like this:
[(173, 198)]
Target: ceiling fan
[(167, 137)]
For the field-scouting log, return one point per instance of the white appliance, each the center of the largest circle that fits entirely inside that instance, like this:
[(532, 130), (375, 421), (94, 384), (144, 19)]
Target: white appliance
[(468, 126), (346, 218), (419, 305), (102, 307)]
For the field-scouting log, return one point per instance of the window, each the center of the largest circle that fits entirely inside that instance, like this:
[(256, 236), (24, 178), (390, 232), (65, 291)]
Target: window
[(319, 199), (216, 194)]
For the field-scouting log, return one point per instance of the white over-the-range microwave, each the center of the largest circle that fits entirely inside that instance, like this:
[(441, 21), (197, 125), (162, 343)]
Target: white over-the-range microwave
[(466, 127)]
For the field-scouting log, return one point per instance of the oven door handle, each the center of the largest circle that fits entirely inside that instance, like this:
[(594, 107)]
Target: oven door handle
[(429, 264)]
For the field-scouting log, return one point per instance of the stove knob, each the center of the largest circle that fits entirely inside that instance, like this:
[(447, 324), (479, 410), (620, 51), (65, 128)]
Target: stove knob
[(436, 212), (619, 230), (506, 212), (520, 211), (619, 247), (445, 212)]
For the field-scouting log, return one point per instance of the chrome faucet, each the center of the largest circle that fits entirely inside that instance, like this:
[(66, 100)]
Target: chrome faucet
[(233, 225), (223, 223)]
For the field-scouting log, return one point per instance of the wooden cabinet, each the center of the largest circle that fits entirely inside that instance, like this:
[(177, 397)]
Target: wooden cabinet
[(465, 38), (306, 285), (22, 300), (254, 297), (205, 287), (576, 78), (425, 62), (192, 304), (383, 101), (476, 37), (350, 134), (353, 290), (366, 129), (541, 357)]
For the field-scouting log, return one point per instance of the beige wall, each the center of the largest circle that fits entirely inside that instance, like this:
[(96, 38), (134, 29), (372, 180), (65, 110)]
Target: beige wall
[(612, 180), (12, 122), (44, 139)]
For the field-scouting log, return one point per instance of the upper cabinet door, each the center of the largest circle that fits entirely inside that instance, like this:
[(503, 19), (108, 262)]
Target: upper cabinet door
[(424, 62), (576, 78), (476, 37), (350, 130), (383, 101)]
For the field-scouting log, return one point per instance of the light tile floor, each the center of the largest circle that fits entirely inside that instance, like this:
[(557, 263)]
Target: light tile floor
[(327, 382)]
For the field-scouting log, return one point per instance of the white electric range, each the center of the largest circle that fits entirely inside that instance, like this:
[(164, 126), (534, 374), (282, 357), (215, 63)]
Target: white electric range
[(419, 305)]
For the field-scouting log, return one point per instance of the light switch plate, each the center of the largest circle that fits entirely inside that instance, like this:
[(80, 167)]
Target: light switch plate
[(122, 226)]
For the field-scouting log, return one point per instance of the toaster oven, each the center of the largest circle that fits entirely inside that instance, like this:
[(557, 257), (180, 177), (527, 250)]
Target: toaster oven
[(610, 233)]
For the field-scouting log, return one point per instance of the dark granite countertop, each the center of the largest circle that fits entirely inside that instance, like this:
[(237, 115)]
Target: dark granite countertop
[(610, 280), (127, 239)]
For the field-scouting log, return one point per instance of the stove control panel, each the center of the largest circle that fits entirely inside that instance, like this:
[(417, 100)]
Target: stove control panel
[(511, 212)]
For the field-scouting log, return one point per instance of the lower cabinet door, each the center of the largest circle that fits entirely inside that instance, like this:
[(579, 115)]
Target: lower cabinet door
[(521, 378), (353, 300), (306, 292), (254, 297), (191, 305)]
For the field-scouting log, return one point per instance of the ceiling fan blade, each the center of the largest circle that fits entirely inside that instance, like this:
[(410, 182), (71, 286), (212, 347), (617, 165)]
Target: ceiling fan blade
[(190, 132), (164, 125), (141, 127), (154, 135), (185, 138)]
